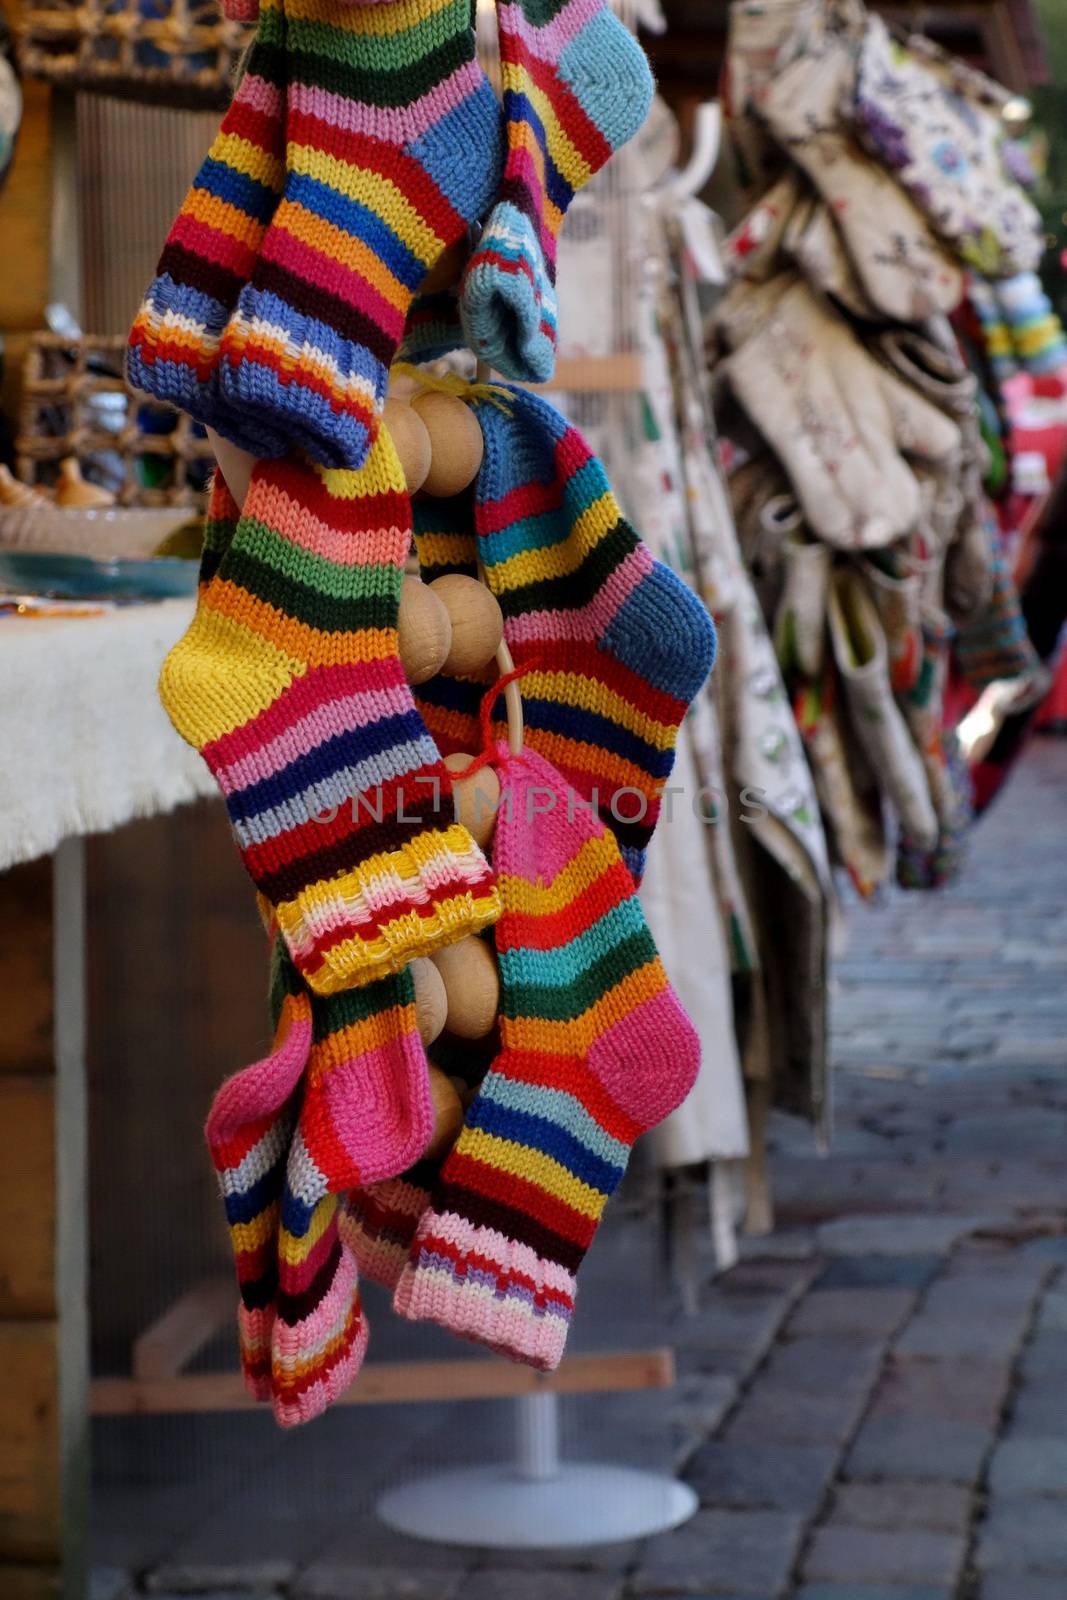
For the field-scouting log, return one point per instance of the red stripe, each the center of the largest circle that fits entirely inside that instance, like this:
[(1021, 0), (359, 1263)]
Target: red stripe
[(571, 1075), (389, 161), (468, 1261), (508, 1189), (582, 132), (528, 500), (319, 268), (519, 930), (301, 701), (213, 245)]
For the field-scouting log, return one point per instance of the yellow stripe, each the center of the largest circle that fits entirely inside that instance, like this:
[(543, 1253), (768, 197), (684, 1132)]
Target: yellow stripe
[(250, 1235), (596, 856), (344, 248), (251, 159), (447, 549), (379, 194), (574, 689), (578, 1035), (597, 764), (370, 19), (555, 560), (520, 1161), (202, 693), (293, 1251), (565, 157)]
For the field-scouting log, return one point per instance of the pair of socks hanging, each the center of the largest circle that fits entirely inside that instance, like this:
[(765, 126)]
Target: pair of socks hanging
[(594, 1050), (363, 142)]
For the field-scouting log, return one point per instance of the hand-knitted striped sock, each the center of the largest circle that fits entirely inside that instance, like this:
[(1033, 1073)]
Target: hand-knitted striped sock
[(576, 87), (249, 1132), (380, 1220), (394, 146), (366, 1116), (595, 1050), (615, 644), (290, 684), (209, 254)]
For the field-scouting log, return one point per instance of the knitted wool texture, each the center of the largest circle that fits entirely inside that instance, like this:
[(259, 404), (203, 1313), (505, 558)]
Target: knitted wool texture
[(351, 1062), (290, 684), (209, 254), (394, 146), (595, 1050), (576, 87), (614, 645)]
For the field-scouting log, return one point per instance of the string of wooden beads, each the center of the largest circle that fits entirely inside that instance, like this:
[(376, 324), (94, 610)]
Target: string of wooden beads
[(452, 626)]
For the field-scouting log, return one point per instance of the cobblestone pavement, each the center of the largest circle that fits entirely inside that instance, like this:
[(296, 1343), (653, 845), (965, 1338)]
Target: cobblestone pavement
[(872, 1405)]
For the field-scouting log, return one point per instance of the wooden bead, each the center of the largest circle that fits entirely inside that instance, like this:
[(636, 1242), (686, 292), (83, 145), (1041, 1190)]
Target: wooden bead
[(472, 985), (456, 442), (476, 619), (475, 798), (448, 1116), (424, 630), (403, 386), (408, 433), (431, 1002)]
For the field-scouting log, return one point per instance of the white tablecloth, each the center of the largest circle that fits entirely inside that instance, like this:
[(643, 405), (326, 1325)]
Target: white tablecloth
[(84, 742)]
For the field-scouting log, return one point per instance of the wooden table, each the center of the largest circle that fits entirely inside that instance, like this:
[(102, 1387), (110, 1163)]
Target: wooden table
[(85, 748)]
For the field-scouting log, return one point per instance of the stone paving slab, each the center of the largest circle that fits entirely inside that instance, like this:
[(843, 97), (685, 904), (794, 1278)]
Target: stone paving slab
[(867, 1591), (1024, 1535), (955, 1391), (785, 1477), (944, 1507), (723, 1552), (1029, 1466), (917, 1448), (840, 1554)]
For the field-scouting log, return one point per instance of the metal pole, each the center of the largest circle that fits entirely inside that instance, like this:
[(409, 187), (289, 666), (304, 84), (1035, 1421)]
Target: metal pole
[(537, 1436)]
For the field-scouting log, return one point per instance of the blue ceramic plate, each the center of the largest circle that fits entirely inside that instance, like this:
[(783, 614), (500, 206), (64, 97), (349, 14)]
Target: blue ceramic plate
[(82, 578)]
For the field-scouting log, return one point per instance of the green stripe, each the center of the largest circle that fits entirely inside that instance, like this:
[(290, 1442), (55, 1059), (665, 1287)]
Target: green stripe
[(587, 988), (333, 1012), (378, 53), (305, 604), (268, 548), (392, 89), (571, 591)]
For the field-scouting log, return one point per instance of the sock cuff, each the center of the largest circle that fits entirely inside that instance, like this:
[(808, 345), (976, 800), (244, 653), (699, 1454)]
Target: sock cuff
[(508, 301)]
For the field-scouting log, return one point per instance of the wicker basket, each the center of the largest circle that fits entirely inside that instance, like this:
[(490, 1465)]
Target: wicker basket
[(182, 51), (76, 402)]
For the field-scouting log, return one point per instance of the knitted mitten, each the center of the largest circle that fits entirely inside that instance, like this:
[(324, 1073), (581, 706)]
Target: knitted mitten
[(290, 684), (394, 146), (576, 87), (839, 422), (905, 271), (248, 1133), (208, 257), (595, 1050), (612, 644)]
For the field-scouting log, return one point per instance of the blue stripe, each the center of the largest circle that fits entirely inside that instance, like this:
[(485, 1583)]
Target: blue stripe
[(360, 222), (536, 1133), (255, 199), (328, 759), (589, 727)]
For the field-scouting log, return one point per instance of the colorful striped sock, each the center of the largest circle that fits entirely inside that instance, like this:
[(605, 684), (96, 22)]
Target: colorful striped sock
[(209, 254), (290, 684), (595, 1050), (249, 1132), (614, 644), (394, 146), (576, 87)]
